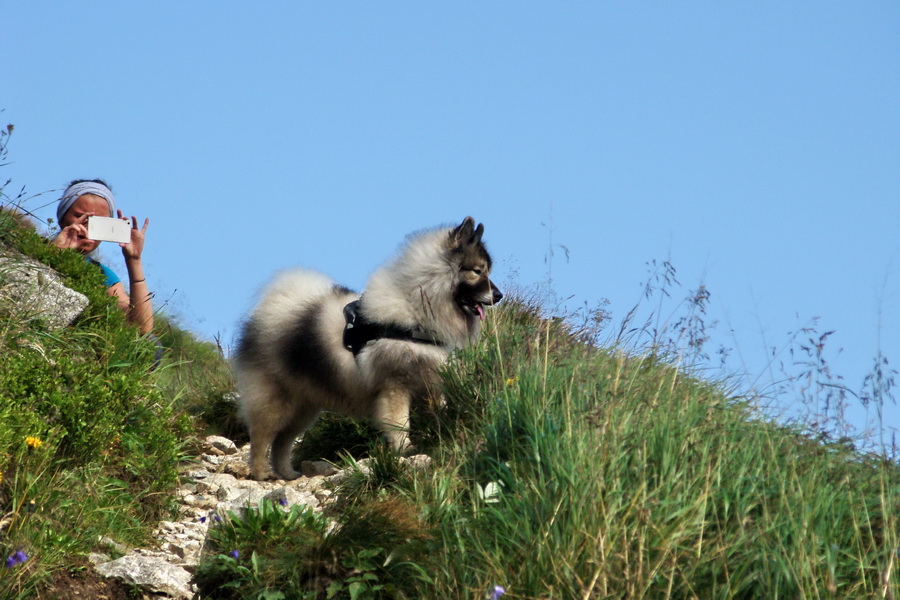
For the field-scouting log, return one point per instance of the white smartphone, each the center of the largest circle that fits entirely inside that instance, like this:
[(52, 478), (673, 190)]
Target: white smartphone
[(108, 229)]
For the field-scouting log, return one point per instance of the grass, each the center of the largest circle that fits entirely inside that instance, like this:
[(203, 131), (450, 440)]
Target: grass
[(196, 375), (89, 442), (617, 475), (623, 477)]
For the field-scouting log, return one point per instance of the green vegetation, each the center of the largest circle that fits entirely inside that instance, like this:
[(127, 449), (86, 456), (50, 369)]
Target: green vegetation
[(89, 442), (564, 471), (197, 379)]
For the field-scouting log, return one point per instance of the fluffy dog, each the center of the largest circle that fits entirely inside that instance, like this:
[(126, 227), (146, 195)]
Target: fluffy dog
[(312, 345)]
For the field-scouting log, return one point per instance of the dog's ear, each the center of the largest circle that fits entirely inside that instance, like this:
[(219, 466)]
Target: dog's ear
[(462, 234), (476, 237)]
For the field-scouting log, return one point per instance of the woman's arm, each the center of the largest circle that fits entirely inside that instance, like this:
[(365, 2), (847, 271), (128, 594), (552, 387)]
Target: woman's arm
[(138, 308)]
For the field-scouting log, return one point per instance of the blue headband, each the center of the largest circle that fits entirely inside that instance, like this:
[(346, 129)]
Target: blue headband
[(77, 190)]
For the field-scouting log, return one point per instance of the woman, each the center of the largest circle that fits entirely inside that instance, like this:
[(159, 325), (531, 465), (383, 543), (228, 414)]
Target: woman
[(88, 198)]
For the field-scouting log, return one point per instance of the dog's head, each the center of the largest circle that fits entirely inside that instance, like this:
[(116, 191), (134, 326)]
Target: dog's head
[(474, 288)]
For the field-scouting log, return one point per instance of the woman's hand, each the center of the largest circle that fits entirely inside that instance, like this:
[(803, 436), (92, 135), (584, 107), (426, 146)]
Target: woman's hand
[(133, 249), (72, 236)]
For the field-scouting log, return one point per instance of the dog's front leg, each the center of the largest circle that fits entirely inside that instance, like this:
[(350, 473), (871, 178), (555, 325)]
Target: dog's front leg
[(391, 415)]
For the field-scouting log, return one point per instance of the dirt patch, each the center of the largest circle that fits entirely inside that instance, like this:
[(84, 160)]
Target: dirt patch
[(86, 585)]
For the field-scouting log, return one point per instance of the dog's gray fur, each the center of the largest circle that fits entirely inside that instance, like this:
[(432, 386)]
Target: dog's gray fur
[(291, 362)]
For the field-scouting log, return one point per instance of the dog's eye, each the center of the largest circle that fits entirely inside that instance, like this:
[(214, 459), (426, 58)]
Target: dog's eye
[(477, 271)]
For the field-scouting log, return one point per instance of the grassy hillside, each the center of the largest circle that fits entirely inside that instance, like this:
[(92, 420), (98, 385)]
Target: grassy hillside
[(89, 442), (560, 470), (566, 471)]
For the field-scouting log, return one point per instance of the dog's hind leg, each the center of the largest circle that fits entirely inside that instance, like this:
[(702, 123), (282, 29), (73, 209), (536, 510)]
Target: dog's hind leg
[(391, 416), (265, 410), (304, 416)]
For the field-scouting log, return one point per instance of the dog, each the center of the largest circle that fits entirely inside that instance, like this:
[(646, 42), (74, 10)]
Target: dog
[(312, 345)]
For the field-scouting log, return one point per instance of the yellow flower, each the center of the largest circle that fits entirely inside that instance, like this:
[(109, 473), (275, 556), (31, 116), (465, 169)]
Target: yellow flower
[(33, 442), (1, 476), (512, 381)]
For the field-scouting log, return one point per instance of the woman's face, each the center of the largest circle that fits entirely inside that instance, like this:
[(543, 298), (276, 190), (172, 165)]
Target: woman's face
[(88, 203)]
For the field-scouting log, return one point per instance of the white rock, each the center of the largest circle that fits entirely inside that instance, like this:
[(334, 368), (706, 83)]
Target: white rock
[(33, 289), (149, 572), (417, 461), (213, 460), (222, 444)]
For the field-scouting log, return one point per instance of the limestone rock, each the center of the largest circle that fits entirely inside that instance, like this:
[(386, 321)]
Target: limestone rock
[(289, 496), (222, 444), (36, 291), (154, 574)]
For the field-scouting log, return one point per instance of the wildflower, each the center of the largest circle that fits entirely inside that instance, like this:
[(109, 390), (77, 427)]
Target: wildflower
[(490, 492), (203, 519), (218, 519), (16, 558), (33, 442), (498, 591), (1, 476), (234, 554), (283, 501), (512, 381)]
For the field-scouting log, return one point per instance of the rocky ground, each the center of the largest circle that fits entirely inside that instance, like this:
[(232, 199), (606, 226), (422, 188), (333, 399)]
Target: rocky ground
[(215, 484)]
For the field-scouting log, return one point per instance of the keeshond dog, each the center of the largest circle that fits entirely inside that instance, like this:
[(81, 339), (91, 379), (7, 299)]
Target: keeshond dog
[(312, 345)]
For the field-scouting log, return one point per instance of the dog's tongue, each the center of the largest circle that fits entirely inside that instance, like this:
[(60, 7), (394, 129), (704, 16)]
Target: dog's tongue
[(480, 310)]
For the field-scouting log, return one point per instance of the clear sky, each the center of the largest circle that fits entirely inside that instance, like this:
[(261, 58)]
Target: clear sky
[(755, 145)]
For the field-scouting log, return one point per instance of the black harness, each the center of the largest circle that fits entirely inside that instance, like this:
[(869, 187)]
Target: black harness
[(359, 331)]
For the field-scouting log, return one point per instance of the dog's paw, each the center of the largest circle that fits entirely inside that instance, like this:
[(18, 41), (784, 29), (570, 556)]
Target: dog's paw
[(287, 475), (263, 475)]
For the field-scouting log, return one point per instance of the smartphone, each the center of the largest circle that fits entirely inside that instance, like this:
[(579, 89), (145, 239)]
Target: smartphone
[(108, 229)]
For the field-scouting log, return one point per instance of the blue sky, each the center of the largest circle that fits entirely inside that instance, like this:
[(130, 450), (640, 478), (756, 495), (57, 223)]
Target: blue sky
[(754, 145)]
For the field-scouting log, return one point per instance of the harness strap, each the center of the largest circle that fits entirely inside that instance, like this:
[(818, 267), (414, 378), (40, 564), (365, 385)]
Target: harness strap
[(359, 331)]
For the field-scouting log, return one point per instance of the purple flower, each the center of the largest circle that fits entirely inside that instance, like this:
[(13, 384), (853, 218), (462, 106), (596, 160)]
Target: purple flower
[(218, 519), (234, 554), (16, 559), (498, 591), (203, 519), (283, 501)]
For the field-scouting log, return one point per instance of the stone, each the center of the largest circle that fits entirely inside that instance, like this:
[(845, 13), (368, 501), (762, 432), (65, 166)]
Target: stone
[(212, 460), (238, 468), (112, 544), (36, 291), (417, 461), (314, 468), (288, 497), (97, 558), (221, 444), (154, 574)]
